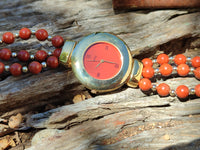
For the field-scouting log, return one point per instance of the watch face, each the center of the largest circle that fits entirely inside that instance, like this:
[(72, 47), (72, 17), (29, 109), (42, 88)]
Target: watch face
[(102, 61)]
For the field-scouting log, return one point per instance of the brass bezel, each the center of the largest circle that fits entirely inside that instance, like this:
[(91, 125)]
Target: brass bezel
[(95, 84)]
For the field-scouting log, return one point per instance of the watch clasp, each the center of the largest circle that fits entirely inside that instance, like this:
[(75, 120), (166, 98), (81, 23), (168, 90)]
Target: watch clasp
[(65, 55), (136, 73)]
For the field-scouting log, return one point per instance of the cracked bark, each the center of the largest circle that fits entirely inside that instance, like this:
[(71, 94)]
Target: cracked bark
[(124, 119)]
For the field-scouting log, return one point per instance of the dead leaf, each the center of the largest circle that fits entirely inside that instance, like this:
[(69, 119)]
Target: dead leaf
[(79, 98), (15, 121)]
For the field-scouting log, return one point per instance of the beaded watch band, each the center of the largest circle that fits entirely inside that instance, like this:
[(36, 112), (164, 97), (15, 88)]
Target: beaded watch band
[(40, 56), (166, 69)]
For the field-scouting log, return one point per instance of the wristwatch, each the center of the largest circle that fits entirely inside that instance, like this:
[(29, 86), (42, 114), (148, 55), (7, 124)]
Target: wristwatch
[(102, 62)]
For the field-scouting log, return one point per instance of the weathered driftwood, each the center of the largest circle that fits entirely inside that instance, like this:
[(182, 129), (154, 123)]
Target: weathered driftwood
[(122, 120)]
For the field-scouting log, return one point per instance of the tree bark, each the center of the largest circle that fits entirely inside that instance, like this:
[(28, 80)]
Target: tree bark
[(123, 119)]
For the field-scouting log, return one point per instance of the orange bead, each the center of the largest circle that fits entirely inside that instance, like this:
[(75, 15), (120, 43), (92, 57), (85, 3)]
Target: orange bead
[(183, 69), (180, 59), (162, 58), (197, 73), (148, 72), (163, 89), (197, 90), (196, 61), (147, 62), (182, 91), (145, 84), (166, 69)]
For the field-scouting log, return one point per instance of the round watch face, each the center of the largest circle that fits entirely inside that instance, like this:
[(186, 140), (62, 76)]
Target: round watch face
[(102, 62)]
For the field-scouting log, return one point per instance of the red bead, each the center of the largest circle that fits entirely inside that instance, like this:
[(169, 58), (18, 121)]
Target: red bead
[(197, 73), (23, 55), (182, 91), (41, 55), (196, 61), (57, 52), (52, 62), (5, 54), (162, 58), (16, 69), (145, 84), (148, 72), (180, 59), (147, 62), (57, 41), (35, 67), (8, 38), (183, 69), (197, 90), (25, 33), (163, 89), (166, 69), (1, 67), (41, 34)]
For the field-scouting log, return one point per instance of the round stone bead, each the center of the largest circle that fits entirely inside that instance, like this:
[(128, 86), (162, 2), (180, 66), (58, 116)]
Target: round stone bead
[(1, 67), (162, 58), (166, 69), (23, 55), (180, 59), (57, 52), (35, 67), (5, 54), (16, 69), (8, 38), (197, 73), (182, 91), (41, 55), (145, 84), (163, 89), (197, 90), (41, 34), (183, 69), (57, 41), (148, 72), (25, 33), (52, 62), (196, 61), (147, 62)]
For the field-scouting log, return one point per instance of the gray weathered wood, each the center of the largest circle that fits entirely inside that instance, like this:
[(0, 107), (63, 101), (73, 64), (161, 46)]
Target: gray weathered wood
[(124, 119)]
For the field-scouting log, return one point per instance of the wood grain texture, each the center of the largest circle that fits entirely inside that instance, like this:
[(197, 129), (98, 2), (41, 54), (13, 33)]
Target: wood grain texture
[(124, 119)]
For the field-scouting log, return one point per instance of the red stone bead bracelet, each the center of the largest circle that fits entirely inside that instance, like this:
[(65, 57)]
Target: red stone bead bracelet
[(166, 69), (40, 56)]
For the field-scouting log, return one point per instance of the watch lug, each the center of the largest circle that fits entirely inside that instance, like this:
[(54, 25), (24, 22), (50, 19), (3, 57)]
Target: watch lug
[(136, 73), (65, 56)]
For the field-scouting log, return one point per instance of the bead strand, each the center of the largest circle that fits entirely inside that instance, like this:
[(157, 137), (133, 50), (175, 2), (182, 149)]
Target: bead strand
[(40, 56), (178, 59), (163, 89), (165, 69), (34, 67), (25, 33)]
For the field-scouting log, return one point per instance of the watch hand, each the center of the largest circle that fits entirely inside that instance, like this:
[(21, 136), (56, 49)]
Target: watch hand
[(101, 61), (93, 60), (110, 62)]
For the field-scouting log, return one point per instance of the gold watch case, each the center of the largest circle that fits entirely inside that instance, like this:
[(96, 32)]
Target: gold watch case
[(72, 55)]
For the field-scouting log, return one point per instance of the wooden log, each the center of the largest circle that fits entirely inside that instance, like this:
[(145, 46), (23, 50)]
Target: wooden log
[(154, 4), (142, 33), (126, 117)]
